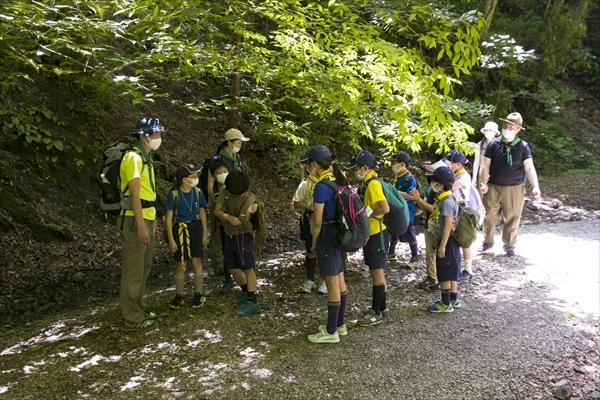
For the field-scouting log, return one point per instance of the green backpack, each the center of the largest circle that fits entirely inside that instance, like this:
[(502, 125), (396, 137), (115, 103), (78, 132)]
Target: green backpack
[(398, 219), (467, 221)]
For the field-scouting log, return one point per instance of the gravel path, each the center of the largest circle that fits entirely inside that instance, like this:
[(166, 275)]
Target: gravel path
[(521, 318)]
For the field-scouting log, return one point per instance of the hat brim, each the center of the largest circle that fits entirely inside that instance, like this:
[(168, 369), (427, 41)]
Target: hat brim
[(245, 139), (512, 122), (482, 130), (350, 165)]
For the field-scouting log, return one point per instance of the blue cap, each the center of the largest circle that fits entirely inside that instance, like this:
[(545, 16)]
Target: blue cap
[(148, 126), (400, 156), (444, 175), (185, 170), (456, 156), (318, 153), (361, 159)]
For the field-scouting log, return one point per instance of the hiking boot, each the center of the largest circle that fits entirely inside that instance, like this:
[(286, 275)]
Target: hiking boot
[(435, 287), (426, 283), (149, 314), (248, 308), (370, 318), (309, 286), (177, 302), (198, 300), (323, 337), (440, 307), (385, 312), (455, 303), (141, 326), (391, 256), (412, 264), (341, 330), (241, 299), (323, 288), (465, 276), (227, 286), (485, 247), (510, 253)]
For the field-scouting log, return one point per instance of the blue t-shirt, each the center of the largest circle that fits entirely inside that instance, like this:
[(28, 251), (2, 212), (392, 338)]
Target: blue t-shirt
[(324, 194), (406, 185), (188, 204)]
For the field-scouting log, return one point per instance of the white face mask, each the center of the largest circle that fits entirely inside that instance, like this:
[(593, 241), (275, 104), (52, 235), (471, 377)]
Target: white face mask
[(221, 177), (359, 176), (235, 149), (395, 168), (154, 144), (489, 135), (436, 187), (509, 135), (193, 182), (312, 172)]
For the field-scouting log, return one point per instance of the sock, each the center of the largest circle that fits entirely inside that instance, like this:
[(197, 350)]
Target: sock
[(252, 297), (311, 265), (333, 311), (453, 296), (392, 249), (414, 250), (244, 288), (342, 312), (446, 296), (199, 283), (179, 284), (378, 293), (383, 305), (469, 266)]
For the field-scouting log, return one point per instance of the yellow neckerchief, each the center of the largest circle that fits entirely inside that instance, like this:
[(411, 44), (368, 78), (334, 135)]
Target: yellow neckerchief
[(325, 174), (459, 171), (368, 176), (439, 197), (398, 176)]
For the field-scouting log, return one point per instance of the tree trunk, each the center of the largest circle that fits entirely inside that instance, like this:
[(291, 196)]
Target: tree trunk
[(488, 11)]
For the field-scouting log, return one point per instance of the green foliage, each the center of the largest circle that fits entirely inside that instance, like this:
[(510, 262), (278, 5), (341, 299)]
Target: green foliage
[(28, 127)]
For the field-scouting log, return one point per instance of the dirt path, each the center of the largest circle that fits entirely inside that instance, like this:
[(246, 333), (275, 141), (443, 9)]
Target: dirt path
[(528, 325)]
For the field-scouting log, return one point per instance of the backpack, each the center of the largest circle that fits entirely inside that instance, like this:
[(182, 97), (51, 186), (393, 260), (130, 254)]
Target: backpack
[(111, 195), (398, 219), (352, 230), (474, 202), (404, 186), (467, 221), (258, 223)]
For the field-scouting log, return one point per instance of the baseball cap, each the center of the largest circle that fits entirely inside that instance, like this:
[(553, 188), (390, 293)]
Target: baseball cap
[(183, 171), (400, 156), (318, 153), (429, 168), (515, 119), (235, 134), (361, 159), (444, 175), (456, 156)]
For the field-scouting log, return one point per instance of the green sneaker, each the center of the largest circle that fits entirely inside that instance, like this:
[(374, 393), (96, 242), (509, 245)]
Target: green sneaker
[(141, 326), (412, 264), (456, 303), (324, 337), (241, 299), (341, 330), (440, 307), (249, 308), (149, 314)]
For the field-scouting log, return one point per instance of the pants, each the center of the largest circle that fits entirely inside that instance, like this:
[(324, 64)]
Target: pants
[(430, 254), (215, 247), (509, 201), (137, 261)]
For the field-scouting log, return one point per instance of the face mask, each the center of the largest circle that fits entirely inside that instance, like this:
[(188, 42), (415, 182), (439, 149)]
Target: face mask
[(221, 177), (489, 135), (235, 149), (154, 144), (395, 168), (436, 187), (508, 135), (192, 182), (359, 176)]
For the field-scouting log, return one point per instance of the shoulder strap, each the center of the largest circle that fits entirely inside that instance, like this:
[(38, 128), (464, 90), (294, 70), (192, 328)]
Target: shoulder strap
[(406, 177), (330, 183), (248, 201)]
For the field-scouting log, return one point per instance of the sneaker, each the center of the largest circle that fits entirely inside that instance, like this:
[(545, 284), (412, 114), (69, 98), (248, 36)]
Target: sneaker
[(149, 314), (364, 271), (323, 288), (323, 337), (412, 264), (391, 256), (141, 326), (385, 313), (510, 253), (440, 307), (227, 286), (341, 330), (465, 276), (370, 318), (248, 308), (485, 247), (435, 287), (426, 283), (198, 300), (309, 286), (177, 302), (241, 299), (455, 303)]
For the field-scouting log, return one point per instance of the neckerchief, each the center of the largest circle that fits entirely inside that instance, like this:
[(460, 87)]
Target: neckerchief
[(233, 158), (398, 176), (325, 174), (370, 175), (509, 147), (459, 171), (148, 158), (437, 198)]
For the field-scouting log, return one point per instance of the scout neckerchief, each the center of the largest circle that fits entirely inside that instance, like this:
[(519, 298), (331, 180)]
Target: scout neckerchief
[(368, 177), (233, 158), (459, 171), (325, 174), (508, 147), (439, 197), (138, 145), (398, 176)]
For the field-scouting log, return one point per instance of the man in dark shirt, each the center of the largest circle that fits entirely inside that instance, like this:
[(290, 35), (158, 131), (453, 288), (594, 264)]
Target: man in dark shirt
[(506, 162)]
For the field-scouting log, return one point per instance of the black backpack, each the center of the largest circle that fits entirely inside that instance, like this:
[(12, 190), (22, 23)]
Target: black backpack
[(352, 230)]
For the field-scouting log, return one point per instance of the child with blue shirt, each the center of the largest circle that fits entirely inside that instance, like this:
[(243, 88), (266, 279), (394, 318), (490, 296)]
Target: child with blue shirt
[(186, 232), (405, 183)]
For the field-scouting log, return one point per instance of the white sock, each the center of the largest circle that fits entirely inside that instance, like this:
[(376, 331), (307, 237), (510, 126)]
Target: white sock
[(469, 266)]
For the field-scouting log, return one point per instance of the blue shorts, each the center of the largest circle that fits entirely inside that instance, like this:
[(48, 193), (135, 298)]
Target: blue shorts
[(188, 236), (410, 236), (238, 251), (330, 259), (448, 268), (375, 256)]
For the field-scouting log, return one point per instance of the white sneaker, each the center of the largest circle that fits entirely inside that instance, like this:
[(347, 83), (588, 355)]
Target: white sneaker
[(309, 286), (364, 271), (322, 288)]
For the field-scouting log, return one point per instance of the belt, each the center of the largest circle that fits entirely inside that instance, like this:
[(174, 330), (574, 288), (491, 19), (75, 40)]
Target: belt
[(147, 203), (331, 221)]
